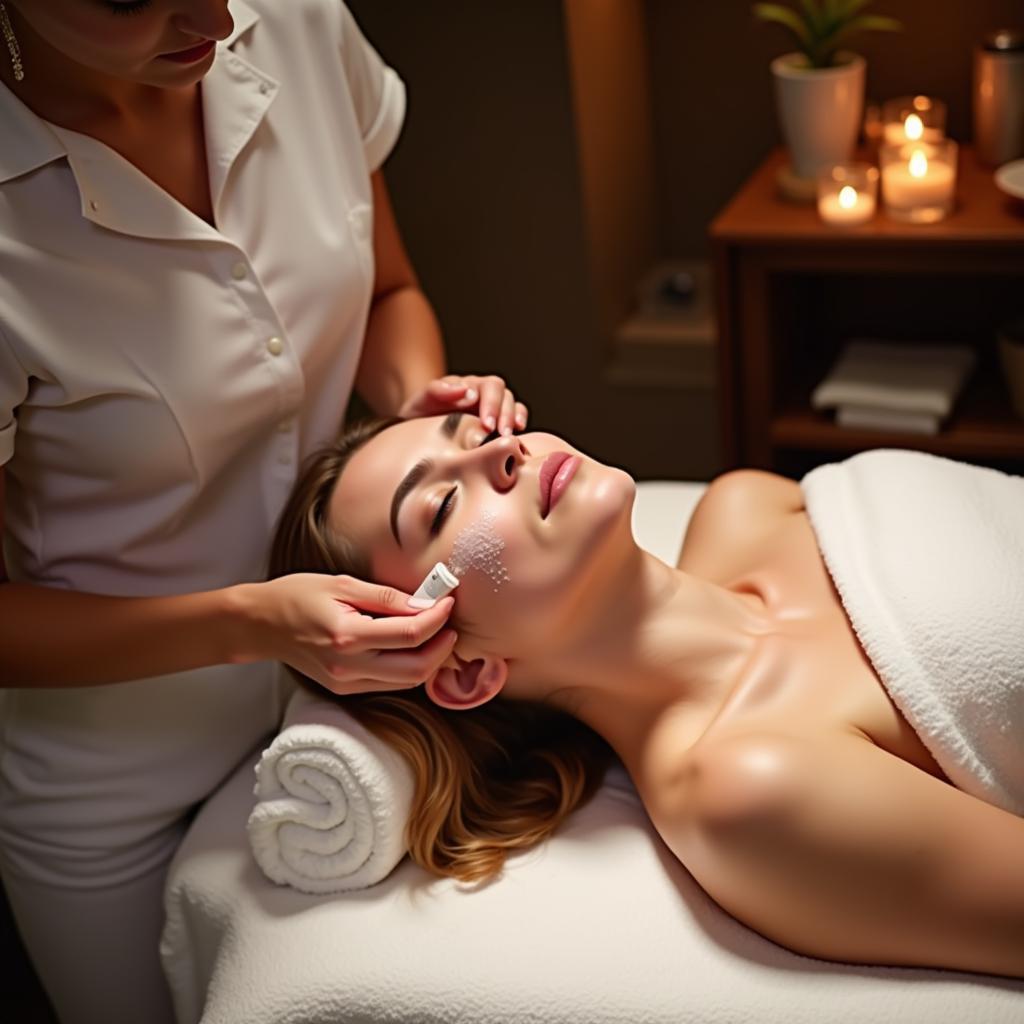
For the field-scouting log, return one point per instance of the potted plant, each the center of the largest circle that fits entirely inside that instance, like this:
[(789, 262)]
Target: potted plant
[(819, 88)]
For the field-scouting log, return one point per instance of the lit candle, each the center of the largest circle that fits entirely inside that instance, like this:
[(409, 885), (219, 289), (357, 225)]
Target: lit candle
[(913, 119), (846, 207), (918, 183), (847, 193), (911, 129)]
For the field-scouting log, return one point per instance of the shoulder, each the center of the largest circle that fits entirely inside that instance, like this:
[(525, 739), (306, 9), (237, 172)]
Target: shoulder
[(736, 512), (310, 18), (726, 794), (756, 490), (274, 11), (732, 777), (270, 28)]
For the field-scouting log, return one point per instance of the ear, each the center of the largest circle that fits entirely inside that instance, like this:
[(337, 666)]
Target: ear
[(461, 684)]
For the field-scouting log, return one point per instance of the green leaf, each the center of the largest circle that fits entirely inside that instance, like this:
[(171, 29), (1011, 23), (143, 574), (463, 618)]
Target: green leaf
[(865, 23), (813, 16), (837, 13), (846, 9), (878, 22), (787, 17)]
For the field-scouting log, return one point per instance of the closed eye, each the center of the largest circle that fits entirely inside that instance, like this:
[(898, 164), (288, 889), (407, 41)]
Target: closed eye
[(449, 499), (442, 513)]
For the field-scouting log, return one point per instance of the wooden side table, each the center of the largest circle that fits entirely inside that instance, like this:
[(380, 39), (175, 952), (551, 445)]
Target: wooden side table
[(791, 289)]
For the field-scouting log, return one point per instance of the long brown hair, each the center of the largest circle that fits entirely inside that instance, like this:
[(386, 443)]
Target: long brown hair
[(490, 780)]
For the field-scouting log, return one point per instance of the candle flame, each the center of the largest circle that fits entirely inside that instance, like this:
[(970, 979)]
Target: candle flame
[(847, 197), (918, 165), (914, 127)]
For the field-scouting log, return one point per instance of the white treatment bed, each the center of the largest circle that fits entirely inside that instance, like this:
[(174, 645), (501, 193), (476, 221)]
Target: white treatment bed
[(599, 924)]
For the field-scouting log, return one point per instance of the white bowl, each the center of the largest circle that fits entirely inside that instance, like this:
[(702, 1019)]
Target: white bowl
[(1010, 178)]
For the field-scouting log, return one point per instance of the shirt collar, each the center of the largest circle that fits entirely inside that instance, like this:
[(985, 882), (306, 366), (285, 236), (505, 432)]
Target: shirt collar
[(30, 142)]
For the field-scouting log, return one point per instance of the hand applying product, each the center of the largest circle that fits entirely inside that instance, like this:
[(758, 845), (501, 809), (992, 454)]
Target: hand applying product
[(439, 582), (478, 546)]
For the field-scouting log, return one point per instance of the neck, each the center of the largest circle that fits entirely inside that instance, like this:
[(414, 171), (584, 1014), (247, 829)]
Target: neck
[(655, 640), (66, 93)]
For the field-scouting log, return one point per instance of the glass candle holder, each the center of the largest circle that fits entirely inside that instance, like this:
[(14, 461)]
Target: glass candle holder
[(919, 180), (847, 194), (871, 126), (913, 119)]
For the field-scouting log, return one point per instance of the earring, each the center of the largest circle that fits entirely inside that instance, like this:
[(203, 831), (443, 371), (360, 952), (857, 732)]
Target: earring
[(12, 44)]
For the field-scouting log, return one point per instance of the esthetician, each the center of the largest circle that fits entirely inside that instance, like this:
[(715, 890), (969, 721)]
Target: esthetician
[(198, 263)]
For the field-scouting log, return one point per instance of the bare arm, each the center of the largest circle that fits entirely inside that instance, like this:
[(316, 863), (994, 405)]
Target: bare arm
[(313, 621), (402, 350), (52, 637), (837, 849)]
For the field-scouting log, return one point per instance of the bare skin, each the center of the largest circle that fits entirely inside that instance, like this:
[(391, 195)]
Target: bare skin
[(807, 806), (154, 123), (751, 535), (765, 748)]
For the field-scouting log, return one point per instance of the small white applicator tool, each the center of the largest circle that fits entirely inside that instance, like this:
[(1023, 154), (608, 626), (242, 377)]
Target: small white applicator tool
[(439, 582)]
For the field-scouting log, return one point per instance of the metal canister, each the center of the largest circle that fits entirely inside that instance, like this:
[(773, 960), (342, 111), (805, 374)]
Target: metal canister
[(999, 97)]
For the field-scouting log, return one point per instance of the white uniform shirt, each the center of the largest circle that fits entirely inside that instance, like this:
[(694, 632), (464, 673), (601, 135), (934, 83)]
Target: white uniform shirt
[(161, 379), (160, 382)]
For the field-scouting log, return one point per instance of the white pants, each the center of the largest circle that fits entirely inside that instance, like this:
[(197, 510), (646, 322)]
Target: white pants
[(97, 788), (96, 950)]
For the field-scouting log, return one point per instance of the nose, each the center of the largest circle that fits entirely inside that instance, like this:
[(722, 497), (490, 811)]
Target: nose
[(499, 459), (207, 18)]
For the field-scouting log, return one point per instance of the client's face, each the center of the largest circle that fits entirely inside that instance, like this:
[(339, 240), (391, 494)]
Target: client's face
[(521, 531)]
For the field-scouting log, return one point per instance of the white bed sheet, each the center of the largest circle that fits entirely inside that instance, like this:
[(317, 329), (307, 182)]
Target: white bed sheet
[(600, 924)]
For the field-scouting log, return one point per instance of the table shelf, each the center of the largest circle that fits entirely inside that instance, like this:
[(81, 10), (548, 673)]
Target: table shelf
[(791, 290)]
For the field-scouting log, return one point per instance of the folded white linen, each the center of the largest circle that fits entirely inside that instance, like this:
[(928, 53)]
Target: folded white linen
[(914, 378), (875, 417), (927, 555), (332, 801)]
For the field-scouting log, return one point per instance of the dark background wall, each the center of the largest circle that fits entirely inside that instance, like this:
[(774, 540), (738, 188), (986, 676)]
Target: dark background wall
[(714, 112), (486, 181)]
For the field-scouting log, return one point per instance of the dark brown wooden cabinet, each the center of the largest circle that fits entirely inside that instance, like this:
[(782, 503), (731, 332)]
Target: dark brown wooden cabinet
[(792, 289)]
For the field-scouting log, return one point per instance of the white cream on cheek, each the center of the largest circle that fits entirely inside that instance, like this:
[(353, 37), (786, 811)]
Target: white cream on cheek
[(478, 546)]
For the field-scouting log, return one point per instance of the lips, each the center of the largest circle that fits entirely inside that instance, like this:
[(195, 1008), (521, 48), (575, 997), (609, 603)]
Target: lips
[(191, 54), (555, 473)]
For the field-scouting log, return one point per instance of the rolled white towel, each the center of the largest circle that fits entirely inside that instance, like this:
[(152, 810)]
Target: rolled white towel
[(332, 804)]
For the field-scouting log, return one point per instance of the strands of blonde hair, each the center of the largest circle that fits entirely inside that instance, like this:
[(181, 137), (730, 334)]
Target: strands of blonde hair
[(491, 780)]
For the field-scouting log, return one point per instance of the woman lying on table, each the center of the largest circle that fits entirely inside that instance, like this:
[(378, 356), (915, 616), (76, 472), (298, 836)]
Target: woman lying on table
[(766, 749)]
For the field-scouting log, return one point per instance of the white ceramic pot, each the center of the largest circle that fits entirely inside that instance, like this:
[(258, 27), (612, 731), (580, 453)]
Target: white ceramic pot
[(820, 110)]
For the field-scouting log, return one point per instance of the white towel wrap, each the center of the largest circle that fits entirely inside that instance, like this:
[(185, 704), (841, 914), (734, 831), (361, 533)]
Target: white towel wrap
[(927, 555), (332, 801)]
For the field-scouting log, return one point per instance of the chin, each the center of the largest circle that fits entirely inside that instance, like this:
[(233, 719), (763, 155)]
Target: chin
[(608, 499), (596, 520), (598, 540), (617, 489)]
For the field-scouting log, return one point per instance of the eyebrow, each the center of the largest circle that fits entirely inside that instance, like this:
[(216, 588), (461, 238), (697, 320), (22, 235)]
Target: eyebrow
[(448, 427)]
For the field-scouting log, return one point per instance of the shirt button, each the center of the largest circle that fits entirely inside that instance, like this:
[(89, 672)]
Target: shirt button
[(264, 88), (93, 205), (238, 271), (275, 347), (285, 425), (359, 218)]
